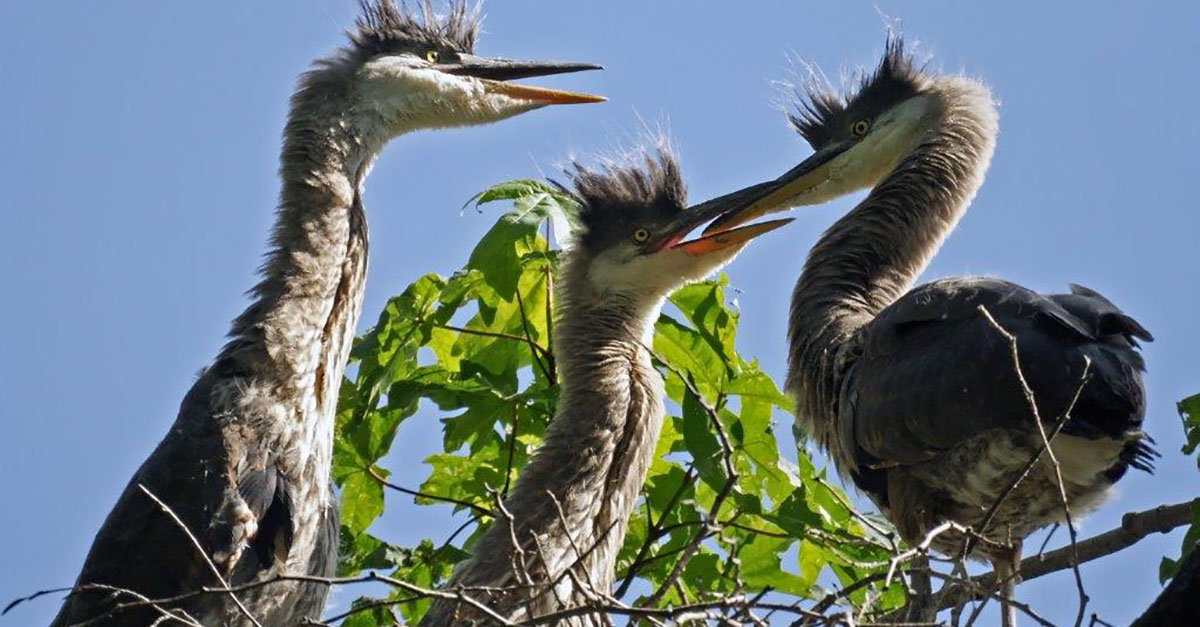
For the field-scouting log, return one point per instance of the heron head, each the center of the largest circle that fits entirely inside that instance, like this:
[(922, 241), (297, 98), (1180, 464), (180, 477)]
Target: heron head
[(417, 69), (857, 137), (635, 222)]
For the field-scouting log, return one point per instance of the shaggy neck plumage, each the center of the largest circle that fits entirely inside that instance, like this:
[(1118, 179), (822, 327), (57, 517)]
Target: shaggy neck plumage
[(591, 465), (293, 340), (871, 257)]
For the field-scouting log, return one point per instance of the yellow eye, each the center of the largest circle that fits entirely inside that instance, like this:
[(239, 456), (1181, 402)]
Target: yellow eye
[(432, 56), (860, 128), (641, 235)]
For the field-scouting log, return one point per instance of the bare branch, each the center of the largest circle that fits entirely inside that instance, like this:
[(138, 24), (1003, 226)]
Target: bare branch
[(200, 549), (1134, 527), (478, 509), (1037, 420)]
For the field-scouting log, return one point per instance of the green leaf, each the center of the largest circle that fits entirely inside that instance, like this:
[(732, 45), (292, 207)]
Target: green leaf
[(686, 350), (498, 254), (458, 349), (362, 502), (703, 304), (701, 442)]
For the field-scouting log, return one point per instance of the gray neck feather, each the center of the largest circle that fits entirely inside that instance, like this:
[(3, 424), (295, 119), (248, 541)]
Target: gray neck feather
[(593, 461), (871, 257), (290, 346)]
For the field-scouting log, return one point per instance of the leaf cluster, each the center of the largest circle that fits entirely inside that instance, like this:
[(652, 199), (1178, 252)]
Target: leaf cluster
[(475, 349)]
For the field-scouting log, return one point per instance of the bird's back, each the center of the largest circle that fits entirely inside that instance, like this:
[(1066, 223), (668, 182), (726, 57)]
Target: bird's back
[(140, 548), (935, 421)]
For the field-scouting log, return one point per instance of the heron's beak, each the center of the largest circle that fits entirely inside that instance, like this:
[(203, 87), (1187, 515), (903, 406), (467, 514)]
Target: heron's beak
[(494, 71), (793, 189), (719, 208)]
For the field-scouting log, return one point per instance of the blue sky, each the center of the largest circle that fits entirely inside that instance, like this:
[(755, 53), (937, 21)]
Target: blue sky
[(138, 147)]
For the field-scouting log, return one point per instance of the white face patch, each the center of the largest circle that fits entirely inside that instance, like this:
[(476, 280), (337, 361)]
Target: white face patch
[(404, 91), (653, 276), (894, 135)]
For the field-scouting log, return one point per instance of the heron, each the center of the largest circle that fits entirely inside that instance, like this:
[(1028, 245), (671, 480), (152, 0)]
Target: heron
[(245, 469), (914, 393), (563, 524)]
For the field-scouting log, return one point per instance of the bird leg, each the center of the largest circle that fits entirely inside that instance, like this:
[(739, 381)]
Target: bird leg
[(1006, 567), (921, 606)]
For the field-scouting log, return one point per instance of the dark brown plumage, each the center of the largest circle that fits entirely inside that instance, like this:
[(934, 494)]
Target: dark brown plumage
[(386, 27), (246, 465), (913, 392)]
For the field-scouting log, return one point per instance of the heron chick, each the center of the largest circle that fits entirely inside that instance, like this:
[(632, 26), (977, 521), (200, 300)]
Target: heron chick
[(915, 393), (581, 485), (246, 466)]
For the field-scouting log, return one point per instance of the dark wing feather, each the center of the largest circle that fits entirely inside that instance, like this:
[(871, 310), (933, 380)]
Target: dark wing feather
[(933, 371), (266, 492)]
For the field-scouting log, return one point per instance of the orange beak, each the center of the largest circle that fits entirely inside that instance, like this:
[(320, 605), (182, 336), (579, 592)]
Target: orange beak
[(721, 240), (540, 95)]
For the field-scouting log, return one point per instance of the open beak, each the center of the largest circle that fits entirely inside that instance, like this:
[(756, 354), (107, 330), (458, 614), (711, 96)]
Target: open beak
[(494, 71), (791, 190), (719, 208)]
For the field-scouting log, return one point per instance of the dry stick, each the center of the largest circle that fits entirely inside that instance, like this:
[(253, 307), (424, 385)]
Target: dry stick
[(537, 544), (1009, 580), (143, 601), (368, 606), (517, 559), (512, 446), (562, 520), (493, 334), (479, 509), (329, 581), (679, 614), (1023, 607), (1037, 420), (200, 549), (529, 339), (1134, 527), (712, 525), (1028, 467), (654, 532), (595, 545)]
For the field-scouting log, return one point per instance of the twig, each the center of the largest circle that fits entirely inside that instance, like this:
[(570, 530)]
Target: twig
[(654, 532), (1134, 527), (711, 525), (512, 448), (200, 549), (479, 509), (537, 359), (494, 334), (1037, 420)]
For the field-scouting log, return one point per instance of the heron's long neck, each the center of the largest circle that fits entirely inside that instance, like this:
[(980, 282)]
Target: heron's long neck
[(292, 343), (871, 257), (594, 459)]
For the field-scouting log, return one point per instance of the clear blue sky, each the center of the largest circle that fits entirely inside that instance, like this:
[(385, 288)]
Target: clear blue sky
[(138, 147)]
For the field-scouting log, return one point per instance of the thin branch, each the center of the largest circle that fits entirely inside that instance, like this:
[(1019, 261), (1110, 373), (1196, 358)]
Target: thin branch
[(654, 532), (425, 495), (712, 524), (493, 334), (200, 549), (1134, 527), (537, 359), (512, 449), (1037, 420)]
